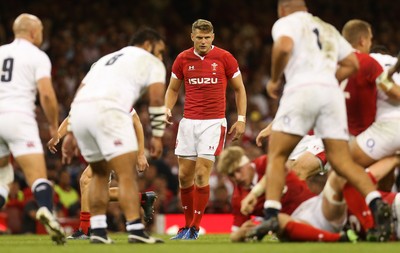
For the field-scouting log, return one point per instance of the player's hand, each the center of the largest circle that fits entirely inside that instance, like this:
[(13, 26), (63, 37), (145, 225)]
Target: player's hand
[(168, 116), (69, 148), (239, 128), (156, 147), (240, 234), (55, 138), (142, 164), (51, 145), (262, 135), (248, 204), (274, 89)]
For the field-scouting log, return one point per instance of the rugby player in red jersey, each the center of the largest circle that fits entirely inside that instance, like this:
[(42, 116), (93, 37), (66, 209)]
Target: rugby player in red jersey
[(205, 70)]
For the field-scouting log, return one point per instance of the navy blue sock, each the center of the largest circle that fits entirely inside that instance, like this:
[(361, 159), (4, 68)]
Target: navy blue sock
[(134, 222), (43, 193), (270, 212), (2, 201), (373, 205)]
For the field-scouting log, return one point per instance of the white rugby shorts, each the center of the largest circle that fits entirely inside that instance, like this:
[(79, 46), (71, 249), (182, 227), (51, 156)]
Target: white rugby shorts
[(313, 106), (200, 137), (19, 134), (102, 134), (380, 139)]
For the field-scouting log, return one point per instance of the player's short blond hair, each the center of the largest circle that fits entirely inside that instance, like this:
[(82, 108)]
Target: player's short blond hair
[(203, 25), (354, 29), (229, 160)]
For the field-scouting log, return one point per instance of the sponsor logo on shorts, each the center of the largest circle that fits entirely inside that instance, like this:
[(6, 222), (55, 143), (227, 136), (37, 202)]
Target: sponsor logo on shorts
[(30, 144), (117, 143)]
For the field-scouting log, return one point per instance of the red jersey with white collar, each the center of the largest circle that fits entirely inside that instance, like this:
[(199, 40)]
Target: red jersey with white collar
[(205, 80), (295, 192), (361, 94)]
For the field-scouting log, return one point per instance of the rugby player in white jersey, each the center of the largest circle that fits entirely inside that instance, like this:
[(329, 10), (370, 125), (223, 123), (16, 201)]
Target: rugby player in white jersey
[(382, 138), (313, 56), (24, 70), (101, 122)]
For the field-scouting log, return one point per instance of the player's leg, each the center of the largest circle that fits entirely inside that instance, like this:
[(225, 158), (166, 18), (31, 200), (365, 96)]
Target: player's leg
[(34, 169), (84, 218), (333, 203), (186, 176), (358, 154), (6, 177), (128, 197), (279, 148), (338, 155), (201, 194), (298, 231), (98, 201), (146, 199)]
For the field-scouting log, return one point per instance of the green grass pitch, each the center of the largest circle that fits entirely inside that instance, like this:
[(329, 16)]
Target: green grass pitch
[(205, 244)]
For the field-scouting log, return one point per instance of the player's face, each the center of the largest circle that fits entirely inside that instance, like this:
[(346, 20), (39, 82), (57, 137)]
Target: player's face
[(38, 35), (368, 41), (158, 49), (243, 176), (202, 41)]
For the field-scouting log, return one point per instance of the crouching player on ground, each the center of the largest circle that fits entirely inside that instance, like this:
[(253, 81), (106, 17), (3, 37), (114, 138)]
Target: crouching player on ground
[(248, 200)]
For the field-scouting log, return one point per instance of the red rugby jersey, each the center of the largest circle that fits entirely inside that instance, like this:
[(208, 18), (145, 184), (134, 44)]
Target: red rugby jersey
[(361, 94), (205, 80), (296, 192)]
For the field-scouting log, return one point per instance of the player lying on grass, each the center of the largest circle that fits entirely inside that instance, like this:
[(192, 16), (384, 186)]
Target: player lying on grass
[(234, 162), (325, 212), (147, 198)]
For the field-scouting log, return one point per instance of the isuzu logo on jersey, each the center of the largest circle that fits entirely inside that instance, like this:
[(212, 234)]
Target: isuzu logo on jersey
[(203, 80)]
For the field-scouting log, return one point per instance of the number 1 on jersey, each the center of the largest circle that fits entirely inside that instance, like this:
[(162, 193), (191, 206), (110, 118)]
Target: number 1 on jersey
[(318, 41)]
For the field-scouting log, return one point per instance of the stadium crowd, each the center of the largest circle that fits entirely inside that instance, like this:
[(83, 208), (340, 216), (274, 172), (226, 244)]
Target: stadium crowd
[(78, 33)]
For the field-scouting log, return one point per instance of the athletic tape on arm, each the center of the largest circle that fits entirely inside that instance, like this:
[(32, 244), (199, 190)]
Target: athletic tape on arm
[(157, 120)]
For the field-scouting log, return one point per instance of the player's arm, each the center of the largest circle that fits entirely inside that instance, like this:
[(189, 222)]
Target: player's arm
[(281, 51), (384, 166), (171, 96), (347, 67), (249, 202), (386, 83), (142, 160), (239, 235), (157, 117), (264, 133), (241, 105), (48, 102), (61, 132)]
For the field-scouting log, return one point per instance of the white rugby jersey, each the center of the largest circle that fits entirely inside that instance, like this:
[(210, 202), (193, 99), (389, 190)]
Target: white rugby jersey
[(22, 64), (318, 47), (385, 107), (118, 79)]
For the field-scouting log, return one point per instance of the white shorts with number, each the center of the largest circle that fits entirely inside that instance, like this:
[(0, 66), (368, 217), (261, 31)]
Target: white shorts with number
[(381, 139), (310, 211), (313, 106), (200, 137), (102, 134), (19, 133)]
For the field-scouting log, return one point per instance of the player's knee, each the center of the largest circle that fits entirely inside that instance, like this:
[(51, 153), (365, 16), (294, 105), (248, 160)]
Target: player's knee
[(6, 174), (84, 181), (4, 161)]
